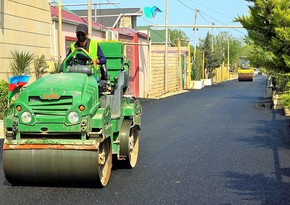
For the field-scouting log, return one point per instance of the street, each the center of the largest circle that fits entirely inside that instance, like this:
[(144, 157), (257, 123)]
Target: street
[(218, 145)]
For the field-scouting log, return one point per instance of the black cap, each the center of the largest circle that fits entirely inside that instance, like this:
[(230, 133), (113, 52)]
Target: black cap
[(82, 28)]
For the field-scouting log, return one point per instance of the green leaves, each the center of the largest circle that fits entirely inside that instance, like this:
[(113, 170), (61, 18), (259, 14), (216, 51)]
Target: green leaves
[(3, 97), (216, 50), (213, 51), (176, 34), (40, 66), (20, 62), (268, 25)]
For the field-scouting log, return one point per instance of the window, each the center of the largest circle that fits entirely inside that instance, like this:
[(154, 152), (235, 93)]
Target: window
[(68, 41), (111, 35)]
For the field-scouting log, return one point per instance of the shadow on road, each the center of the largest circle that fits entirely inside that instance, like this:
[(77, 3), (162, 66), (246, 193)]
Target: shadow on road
[(273, 135), (267, 190)]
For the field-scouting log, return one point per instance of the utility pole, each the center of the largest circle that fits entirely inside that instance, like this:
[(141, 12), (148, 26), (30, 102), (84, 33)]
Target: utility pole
[(95, 13), (89, 4), (195, 29), (223, 64), (188, 66), (166, 46), (90, 27), (212, 37), (228, 58), (60, 29), (179, 67)]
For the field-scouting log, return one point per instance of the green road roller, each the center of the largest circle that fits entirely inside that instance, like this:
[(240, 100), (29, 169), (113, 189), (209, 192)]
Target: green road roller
[(63, 128)]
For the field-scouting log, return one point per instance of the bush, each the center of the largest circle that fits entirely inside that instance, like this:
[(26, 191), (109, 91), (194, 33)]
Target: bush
[(197, 69), (3, 97), (54, 66), (285, 98), (40, 66), (282, 82), (20, 62)]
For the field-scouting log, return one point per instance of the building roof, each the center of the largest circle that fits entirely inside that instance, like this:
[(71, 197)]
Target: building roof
[(130, 31), (73, 18), (69, 16), (109, 17)]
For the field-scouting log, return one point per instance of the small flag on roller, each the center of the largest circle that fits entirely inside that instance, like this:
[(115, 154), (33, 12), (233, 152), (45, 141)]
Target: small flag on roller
[(15, 83)]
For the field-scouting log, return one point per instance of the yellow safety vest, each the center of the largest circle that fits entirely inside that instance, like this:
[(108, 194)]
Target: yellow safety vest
[(93, 48), (93, 51)]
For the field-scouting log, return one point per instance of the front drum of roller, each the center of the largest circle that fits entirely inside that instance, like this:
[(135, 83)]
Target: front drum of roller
[(89, 167)]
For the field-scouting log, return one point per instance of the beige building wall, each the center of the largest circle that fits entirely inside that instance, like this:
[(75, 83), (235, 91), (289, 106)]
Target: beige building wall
[(25, 26), (125, 22)]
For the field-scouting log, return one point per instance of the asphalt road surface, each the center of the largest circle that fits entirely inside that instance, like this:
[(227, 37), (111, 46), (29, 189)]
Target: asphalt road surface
[(221, 145)]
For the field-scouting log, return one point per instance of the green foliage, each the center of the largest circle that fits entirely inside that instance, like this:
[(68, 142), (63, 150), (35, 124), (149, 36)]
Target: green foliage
[(260, 58), (285, 97), (176, 34), (20, 62), (40, 66), (224, 42), (3, 97), (236, 49), (282, 82), (197, 68), (216, 50), (268, 26), (213, 58)]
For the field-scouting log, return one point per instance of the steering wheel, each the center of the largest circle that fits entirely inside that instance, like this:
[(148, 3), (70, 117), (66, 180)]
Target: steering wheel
[(72, 59)]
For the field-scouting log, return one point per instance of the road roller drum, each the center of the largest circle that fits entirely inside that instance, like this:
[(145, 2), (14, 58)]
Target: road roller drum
[(245, 71)]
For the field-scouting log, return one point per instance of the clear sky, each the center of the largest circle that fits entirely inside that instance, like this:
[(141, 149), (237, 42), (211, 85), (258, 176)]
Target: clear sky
[(181, 12)]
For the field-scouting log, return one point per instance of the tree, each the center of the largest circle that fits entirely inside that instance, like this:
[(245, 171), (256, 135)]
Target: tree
[(213, 58), (216, 50), (257, 55), (268, 25), (236, 48), (176, 34)]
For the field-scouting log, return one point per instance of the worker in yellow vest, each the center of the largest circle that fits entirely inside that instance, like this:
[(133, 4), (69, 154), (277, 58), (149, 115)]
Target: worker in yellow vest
[(93, 49), (88, 44)]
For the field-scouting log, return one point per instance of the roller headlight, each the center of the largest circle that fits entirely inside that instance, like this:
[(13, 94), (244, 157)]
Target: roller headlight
[(73, 117), (26, 117)]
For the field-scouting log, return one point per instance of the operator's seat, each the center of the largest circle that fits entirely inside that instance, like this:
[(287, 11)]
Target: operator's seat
[(115, 100), (118, 75)]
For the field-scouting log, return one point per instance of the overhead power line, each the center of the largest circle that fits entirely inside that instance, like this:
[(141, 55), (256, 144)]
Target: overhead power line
[(218, 12), (202, 13)]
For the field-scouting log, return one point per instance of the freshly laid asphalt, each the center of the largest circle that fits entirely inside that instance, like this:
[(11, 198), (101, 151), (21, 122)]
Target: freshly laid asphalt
[(220, 145)]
